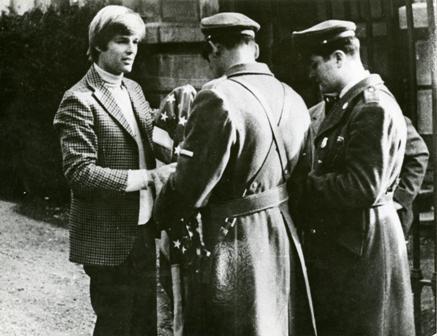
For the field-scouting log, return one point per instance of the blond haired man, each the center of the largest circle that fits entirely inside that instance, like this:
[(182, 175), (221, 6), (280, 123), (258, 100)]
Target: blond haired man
[(105, 127)]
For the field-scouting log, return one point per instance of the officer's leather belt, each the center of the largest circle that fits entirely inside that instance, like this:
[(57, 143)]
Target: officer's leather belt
[(250, 204)]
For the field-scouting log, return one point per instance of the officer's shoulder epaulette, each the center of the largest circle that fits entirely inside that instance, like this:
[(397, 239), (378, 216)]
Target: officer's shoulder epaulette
[(371, 95)]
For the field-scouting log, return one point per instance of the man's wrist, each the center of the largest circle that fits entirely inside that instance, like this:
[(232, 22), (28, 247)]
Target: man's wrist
[(148, 178), (138, 179)]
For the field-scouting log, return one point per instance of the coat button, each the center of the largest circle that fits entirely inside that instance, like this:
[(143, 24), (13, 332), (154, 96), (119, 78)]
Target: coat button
[(324, 142), (313, 231), (319, 161)]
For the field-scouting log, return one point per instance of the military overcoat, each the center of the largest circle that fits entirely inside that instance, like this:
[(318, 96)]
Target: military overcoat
[(413, 167), (356, 251), (250, 278)]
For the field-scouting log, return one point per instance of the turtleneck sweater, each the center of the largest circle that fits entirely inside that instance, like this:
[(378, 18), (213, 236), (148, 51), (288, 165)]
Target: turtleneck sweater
[(138, 179)]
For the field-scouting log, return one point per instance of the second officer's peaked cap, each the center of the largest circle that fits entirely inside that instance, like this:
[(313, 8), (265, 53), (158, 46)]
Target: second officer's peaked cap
[(229, 21), (324, 33)]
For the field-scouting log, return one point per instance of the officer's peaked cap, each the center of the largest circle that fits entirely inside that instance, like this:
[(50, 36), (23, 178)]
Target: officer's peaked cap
[(324, 33), (229, 22)]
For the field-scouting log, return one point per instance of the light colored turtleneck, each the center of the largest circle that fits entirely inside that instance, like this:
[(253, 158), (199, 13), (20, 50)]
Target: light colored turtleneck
[(109, 78), (138, 179), (114, 83)]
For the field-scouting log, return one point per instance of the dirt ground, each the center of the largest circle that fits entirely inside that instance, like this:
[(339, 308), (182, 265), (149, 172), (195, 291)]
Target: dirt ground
[(41, 292)]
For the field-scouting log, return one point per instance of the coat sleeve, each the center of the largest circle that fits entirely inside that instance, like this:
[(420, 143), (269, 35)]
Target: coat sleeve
[(366, 165), (75, 125), (209, 137), (413, 168)]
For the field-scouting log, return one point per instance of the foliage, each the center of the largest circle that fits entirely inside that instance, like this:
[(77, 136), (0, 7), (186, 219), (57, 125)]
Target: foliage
[(42, 55)]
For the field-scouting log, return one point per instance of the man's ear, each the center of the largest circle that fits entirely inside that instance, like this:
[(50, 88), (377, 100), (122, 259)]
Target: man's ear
[(256, 50), (339, 57)]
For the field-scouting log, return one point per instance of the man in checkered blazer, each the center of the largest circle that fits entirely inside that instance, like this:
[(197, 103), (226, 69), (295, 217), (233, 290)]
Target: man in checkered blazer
[(105, 128)]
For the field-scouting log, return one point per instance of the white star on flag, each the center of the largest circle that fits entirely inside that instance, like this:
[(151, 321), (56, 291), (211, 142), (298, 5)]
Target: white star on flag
[(171, 99), (177, 243), (183, 249), (164, 116), (177, 150), (182, 121)]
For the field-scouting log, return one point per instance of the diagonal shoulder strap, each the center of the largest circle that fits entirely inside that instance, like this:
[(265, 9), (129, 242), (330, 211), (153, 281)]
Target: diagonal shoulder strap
[(277, 137)]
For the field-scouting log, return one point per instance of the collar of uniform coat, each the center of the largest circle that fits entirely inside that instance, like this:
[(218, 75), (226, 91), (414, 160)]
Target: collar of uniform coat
[(342, 105), (248, 68), (350, 85)]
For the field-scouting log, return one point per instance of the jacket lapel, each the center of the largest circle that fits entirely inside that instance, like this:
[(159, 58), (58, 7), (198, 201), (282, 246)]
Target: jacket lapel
[(317, 114), (141, 108), (342, 105), (102, 94)]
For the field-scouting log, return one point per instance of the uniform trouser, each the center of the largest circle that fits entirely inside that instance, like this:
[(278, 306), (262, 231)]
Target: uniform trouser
[(124, 296)]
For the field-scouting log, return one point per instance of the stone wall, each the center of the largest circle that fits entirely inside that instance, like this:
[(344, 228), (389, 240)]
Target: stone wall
[(171, 50)]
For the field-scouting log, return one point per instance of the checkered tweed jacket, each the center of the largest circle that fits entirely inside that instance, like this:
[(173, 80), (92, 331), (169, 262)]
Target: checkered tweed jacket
[(98, 149)]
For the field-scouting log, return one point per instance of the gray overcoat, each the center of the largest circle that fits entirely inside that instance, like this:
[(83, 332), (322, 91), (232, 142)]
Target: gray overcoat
[(250, 285)]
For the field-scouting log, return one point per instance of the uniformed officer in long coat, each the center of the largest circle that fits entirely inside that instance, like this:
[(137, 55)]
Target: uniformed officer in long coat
[(413, 167), (356, 253), (242, 142)]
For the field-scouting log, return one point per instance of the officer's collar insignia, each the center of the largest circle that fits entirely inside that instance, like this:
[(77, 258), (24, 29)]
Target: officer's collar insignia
[(330, 98)]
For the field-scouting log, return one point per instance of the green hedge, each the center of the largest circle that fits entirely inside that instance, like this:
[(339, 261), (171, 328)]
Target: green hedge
[(41, 55)]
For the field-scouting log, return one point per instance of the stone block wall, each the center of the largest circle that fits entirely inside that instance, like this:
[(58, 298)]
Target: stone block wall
[(170, 54)]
